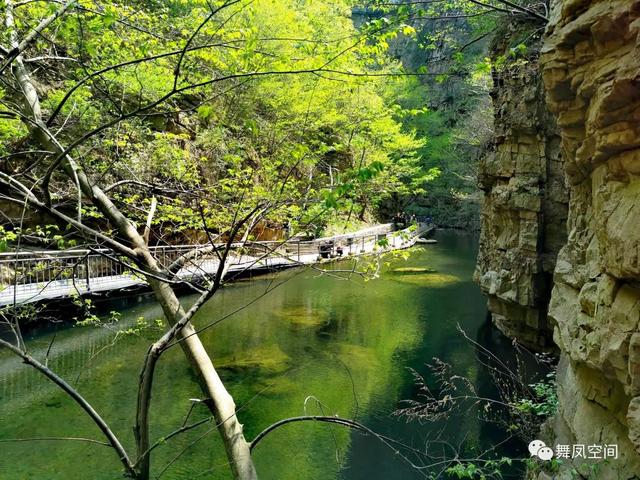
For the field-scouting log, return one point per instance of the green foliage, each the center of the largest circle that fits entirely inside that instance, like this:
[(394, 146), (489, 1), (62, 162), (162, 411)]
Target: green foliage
[(244, 116), (23, 313), (463, 471), (479, 469), (446, 104), (454, 51), (89, 318), (11, 130), (515, 57), (48, 236), (6, 237), (143, 327), (545, 403)]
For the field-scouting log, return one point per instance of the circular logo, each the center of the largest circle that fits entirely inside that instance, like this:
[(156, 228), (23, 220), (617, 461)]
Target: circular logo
[(537, 448), (534, 446), (545, 453)]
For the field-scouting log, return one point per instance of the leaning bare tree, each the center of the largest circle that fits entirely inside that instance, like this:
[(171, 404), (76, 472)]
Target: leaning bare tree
[(57, 156)]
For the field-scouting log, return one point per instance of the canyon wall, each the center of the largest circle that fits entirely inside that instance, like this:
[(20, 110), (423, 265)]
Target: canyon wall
[(591, 71), (525, 200), (590, 65)]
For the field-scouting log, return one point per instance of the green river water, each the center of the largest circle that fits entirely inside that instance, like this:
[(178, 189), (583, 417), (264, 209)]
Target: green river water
[(314, 345)]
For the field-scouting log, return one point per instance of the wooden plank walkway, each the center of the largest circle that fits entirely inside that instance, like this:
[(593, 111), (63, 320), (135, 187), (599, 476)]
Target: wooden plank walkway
[(46, 275)]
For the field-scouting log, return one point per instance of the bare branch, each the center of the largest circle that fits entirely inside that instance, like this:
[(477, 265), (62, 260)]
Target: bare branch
[(18, 47), (80, 400), (48, 439)]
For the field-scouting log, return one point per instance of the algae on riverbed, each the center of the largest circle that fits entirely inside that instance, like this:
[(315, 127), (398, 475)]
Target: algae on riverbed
[(423, 276), (268, 359), (303, 316), (431, 280), (413, 270)]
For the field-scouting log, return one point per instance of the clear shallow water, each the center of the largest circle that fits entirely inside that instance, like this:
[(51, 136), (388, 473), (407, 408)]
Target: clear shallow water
[(314, 345)]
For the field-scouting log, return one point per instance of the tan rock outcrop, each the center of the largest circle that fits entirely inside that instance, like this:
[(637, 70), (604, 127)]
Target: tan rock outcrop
[(591, 71), (525, 202)]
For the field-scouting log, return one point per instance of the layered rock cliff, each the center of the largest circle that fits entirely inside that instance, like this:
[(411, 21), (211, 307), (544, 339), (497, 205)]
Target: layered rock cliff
[(591, 70), (525, 201), (590, 64)]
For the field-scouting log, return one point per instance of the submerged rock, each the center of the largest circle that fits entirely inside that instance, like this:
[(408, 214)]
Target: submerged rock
[(268, 360), (413, 270), (427, 279), (303, 316)]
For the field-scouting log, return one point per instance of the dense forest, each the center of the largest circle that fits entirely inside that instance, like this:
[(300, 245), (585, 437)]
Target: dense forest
[(262, 101), (287, 98)]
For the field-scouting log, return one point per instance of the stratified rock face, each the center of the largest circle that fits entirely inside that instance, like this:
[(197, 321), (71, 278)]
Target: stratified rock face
[(591, 71), (525, 204)]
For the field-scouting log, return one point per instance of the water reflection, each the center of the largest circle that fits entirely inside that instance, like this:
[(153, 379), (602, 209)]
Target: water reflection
[(314, 345)]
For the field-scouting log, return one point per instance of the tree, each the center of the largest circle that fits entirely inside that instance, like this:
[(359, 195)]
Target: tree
[(132, 124), (446, 42)]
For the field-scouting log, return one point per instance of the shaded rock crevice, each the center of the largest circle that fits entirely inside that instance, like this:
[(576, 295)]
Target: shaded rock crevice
[(525, 200)]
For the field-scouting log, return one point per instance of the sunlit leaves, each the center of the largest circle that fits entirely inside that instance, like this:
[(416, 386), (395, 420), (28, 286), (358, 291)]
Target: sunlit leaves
[(175, 86)]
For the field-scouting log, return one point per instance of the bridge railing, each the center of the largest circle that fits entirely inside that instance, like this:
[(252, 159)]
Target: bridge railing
[(28, 273), (59, 270)]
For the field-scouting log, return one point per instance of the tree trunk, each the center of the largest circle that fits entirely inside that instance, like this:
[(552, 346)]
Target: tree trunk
[(221, 403)]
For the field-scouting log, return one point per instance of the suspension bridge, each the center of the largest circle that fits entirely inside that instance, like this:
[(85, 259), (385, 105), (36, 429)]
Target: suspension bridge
[(33, 276)]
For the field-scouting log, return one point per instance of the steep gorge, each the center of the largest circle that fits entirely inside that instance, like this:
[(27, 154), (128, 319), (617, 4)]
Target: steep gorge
[(590, 66), (525, 200)]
